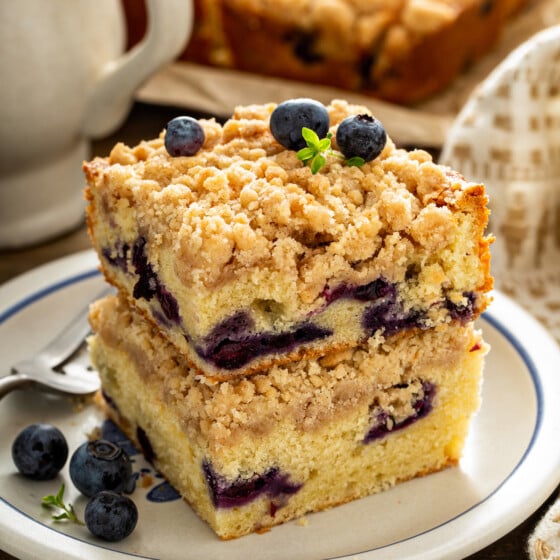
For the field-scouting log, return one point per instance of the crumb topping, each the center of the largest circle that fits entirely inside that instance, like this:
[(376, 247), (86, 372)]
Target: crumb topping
[(244, 202)]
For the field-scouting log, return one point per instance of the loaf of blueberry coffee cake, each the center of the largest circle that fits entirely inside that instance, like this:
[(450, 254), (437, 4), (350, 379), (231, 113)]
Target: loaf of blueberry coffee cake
[(399, 50), (391, 49), (289, 232), (252, 452)]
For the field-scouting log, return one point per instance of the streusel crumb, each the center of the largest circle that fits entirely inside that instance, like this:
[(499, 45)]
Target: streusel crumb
[(244, 201)]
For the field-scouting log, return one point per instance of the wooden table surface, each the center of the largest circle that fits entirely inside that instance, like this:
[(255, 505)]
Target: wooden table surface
[(144, 122)]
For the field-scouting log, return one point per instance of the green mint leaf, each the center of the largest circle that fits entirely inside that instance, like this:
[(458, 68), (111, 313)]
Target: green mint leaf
[(324, 145), (355, 161), (317, 150), (310, 136), (305, 154), (48, 501), (57, 501), (60, 495), (317, 163)]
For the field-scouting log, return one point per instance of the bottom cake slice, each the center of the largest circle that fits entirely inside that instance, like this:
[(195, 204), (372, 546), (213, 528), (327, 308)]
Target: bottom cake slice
[(258, 451)]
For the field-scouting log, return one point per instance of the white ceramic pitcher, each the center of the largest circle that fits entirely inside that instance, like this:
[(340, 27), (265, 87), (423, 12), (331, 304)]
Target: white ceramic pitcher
[(65, 80)]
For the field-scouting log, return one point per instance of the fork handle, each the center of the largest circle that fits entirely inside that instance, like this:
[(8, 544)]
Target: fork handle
[(13, 381)]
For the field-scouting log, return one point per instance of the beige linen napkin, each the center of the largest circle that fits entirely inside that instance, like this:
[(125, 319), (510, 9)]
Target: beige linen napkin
[(508, 137)]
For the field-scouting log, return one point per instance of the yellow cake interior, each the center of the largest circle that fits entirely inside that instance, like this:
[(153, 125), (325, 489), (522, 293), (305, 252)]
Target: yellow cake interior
[(308, 419)]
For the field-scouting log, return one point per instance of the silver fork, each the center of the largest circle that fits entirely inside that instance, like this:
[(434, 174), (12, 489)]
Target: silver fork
[(61, 367)]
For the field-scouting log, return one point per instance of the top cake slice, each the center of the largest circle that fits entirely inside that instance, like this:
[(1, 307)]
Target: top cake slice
[(243, 257)]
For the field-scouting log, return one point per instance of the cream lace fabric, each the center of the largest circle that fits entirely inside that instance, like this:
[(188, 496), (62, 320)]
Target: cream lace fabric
[(508, 136)]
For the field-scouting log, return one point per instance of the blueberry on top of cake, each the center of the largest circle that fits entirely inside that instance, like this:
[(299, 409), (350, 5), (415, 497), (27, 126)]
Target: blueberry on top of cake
[(247, 252)]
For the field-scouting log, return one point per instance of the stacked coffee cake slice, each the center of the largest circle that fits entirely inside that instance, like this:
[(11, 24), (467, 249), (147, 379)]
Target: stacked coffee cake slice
[(287, 338)]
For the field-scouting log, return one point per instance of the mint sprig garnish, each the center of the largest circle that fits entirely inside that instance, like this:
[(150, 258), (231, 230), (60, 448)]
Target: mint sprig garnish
[(56, 501), (318, 149)]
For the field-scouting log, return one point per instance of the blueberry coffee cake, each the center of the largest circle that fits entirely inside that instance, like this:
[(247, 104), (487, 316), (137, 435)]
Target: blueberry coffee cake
[(289, 232), (294, 324), (398, 50), (252, 452)]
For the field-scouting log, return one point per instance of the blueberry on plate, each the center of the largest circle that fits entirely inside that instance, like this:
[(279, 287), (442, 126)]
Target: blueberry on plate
[(111, 516), (40, 451), (361, 136), (288, 119), (100, 465), (183, 136)]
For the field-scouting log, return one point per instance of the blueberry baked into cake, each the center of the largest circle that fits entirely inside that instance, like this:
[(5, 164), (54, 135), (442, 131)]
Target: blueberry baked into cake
[(292, 288)]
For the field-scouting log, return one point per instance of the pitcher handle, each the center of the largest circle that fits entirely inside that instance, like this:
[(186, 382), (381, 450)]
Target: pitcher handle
[(169, 27)]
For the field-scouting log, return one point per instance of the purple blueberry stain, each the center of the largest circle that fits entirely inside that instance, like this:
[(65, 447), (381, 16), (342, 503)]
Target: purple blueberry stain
[(111, 432), (148, 285), (168, 304), (118, 257), (373, 291), (384, 423), (225, 494), (232, 344), (385, 311), (388, 315), (228, 494), (145, 444), (238, 325), (109, 400), (463, 312), (163, 492)]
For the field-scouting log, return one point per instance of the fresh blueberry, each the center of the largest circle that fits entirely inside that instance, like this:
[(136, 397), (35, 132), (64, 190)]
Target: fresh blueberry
[(40, 451), (289, 117), (100, 465), (183, 136), (361, 136), (111, 516)]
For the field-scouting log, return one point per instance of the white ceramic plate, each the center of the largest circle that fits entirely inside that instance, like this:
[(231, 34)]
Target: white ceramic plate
[(510, 466)]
